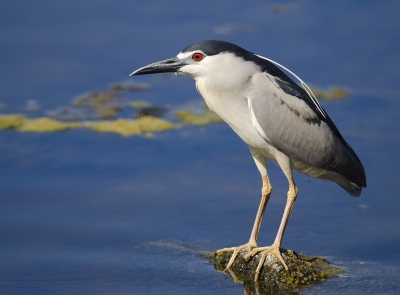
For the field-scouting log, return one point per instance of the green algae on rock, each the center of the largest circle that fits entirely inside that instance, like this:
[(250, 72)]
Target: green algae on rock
[(130, 127), (333, 93), (11, 121), (45, 125), (303, 271), (188, 117)]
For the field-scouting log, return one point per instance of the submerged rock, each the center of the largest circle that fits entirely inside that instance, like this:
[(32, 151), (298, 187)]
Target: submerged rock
[(303, 271)]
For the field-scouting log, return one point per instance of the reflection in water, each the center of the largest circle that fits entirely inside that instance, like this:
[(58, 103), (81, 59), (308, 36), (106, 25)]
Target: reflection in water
[(258, 288)]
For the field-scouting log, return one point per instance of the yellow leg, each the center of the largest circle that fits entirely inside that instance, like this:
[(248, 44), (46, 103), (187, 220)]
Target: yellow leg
[(275, 247), (265, 195), (252, 243)]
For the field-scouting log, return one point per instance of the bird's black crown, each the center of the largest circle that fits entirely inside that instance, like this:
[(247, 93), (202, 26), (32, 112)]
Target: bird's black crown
[(213, 47)]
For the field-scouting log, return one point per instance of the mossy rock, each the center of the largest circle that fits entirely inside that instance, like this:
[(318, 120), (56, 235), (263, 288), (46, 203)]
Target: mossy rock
[(11, 121), (303, 271)]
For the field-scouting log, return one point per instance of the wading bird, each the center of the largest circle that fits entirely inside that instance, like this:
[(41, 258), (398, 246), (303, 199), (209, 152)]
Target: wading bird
[(275, 117)]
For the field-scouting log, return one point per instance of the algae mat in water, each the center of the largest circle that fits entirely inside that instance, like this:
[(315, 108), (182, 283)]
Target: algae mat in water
[(123, 127), (129, 127)]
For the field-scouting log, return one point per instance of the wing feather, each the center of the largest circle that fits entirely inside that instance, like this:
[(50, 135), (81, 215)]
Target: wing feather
[(297, 129)]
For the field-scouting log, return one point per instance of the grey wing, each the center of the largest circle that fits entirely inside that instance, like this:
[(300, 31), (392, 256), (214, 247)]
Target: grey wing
[(294, 128)]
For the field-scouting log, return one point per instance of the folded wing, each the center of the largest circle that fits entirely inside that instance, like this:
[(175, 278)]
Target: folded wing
[(285, 115)]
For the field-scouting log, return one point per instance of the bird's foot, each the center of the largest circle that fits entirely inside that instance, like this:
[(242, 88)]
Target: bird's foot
[(236, 250), (274, 249)]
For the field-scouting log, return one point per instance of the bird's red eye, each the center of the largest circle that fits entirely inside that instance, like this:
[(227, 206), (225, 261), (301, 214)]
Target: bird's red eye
[(197, 56)]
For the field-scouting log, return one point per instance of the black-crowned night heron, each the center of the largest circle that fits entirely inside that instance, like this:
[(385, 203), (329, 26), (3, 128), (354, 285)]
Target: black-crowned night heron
[(274, 116)]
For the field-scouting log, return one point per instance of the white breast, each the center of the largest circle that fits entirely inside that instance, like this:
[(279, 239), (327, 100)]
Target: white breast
[(233, 109)]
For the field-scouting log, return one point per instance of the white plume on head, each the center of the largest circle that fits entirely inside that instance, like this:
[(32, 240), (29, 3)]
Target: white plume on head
[(303, 84)]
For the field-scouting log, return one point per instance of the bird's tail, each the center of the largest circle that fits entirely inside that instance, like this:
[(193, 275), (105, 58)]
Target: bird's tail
[(352, 188), (355, 191), (353, 172)]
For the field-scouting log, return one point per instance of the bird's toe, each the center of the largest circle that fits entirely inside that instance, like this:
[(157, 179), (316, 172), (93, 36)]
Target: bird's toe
[(236, 250), (265, 252)]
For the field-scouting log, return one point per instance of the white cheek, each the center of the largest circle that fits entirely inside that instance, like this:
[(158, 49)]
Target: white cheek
[(190, 70)]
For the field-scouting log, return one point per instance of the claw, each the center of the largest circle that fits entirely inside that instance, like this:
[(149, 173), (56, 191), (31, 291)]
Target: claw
[(236, 251), (271, 250), (235, 278)]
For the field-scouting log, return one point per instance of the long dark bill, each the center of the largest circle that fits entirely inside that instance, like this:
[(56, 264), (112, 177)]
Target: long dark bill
[(164, 66)]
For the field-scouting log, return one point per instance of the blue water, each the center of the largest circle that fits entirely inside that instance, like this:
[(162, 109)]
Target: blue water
[(91, 213)]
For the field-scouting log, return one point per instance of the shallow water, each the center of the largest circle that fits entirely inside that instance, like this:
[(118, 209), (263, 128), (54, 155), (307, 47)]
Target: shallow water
[(91, 213)]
